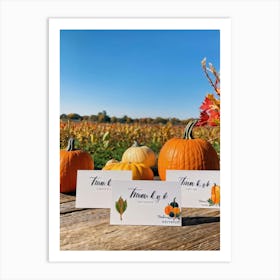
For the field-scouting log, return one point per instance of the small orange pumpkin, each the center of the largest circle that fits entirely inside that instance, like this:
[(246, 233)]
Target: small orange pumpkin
[(215, 194), (176, 210), (139, 154), (139, 170), (72, 160), (187, 154), (168, 209)]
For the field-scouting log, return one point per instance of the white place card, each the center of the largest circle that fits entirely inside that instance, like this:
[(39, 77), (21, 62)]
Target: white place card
[(200, 188), (94, 187), (146, 203)]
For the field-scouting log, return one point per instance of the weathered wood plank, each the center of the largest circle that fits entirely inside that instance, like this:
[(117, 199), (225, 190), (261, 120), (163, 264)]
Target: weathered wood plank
[(89, 229), (67, 197), (104, 237), (68, 207)]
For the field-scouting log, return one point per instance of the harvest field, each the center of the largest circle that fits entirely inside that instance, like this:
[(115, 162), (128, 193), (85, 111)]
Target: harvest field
[(105, 141)]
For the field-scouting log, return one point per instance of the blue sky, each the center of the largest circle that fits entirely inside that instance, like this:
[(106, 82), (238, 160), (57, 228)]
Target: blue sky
[(138, 73)]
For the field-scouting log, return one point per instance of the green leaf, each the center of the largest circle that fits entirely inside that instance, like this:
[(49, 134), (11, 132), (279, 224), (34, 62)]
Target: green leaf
[(106, 144), (117, 207), (124, 205), (210, 201), (105, 136), (121, 205)]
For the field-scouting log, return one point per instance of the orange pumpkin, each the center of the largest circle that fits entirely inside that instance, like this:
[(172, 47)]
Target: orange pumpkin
[(176, 210), (72, 160), (215, 194), (168, 209), (187, 153), (139, 170)]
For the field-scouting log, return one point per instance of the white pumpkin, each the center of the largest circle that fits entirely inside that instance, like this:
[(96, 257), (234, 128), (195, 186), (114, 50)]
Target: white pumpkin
[(139, 154)]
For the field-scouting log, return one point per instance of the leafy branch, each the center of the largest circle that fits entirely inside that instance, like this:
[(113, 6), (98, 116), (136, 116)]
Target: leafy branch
[(210, 108)]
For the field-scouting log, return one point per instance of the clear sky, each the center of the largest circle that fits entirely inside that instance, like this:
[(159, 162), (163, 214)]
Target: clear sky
[(138, 73)]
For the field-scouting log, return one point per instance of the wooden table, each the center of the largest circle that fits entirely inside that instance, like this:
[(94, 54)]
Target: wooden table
[(90, 229)]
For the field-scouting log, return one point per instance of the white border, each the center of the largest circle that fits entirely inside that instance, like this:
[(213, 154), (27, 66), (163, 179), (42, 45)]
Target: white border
[(55, 25)]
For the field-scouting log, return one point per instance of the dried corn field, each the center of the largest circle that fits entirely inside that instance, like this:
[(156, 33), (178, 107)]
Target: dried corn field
[(105, 141)]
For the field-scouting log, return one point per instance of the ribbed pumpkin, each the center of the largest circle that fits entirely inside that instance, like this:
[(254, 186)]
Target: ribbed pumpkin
[(215, 194), (139, 170), (139, 154), (72, 160), (187, 153), (111, 161)]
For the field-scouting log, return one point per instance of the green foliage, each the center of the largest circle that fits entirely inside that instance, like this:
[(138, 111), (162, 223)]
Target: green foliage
[(74, 116), (103, 117)]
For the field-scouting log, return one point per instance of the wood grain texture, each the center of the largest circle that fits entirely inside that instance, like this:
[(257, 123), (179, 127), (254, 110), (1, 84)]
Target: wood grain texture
[(90, 229)]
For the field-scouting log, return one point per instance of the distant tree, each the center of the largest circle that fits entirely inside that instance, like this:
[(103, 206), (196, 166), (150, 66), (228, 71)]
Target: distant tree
[(175, 121), (123, 119), (142, 120), (103, 117), (85, 118), (129, 120), (93, 118), (100, 117), (159, 120), (114, 119), (74, 116), (149, 120)]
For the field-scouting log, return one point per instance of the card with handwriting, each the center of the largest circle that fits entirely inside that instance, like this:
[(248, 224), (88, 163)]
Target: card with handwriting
[(94, 187), (146, 203), (200, 188)]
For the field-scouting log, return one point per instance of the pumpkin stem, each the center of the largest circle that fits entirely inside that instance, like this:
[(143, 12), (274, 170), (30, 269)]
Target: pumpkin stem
[(189, 128), (135, 144), (71, 145)]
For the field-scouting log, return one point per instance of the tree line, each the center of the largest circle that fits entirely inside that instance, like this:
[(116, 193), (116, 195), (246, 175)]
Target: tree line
[(102, 117)]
